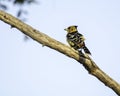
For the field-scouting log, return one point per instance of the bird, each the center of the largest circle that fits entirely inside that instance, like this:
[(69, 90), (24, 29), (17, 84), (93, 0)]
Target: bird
[(76, 40)]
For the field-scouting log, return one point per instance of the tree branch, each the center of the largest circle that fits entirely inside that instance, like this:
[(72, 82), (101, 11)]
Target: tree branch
[(45, 40)]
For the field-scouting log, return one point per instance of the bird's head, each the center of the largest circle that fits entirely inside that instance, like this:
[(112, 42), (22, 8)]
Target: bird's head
[(71, 29)]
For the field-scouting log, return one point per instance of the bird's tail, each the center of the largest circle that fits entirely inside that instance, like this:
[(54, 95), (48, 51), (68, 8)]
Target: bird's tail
[(86, 50)]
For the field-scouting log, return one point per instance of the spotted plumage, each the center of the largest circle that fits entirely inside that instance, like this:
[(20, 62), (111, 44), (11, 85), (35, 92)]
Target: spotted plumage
[(75, 39)]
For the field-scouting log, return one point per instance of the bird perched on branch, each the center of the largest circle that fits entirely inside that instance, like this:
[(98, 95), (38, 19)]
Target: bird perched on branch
[(76, 40)]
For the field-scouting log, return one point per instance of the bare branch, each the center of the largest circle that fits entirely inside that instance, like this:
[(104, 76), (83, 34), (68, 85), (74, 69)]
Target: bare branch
[(45, 40)]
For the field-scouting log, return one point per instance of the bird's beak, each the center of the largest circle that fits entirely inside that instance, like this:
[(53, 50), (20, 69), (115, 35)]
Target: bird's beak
[(66, 29)]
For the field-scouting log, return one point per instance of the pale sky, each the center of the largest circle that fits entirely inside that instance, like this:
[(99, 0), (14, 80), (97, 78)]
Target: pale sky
[(28, 69)]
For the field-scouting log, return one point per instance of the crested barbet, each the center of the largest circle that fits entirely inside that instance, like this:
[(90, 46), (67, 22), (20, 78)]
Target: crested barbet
[(76, 40)]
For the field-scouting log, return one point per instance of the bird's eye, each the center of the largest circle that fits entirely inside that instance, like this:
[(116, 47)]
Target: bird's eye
[(71, 29)]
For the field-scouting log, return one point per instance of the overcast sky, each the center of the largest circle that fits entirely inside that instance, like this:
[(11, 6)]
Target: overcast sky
[(28, 69)]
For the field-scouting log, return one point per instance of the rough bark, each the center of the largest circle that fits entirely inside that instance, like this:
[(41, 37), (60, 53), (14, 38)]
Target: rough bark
[(45, 40)]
